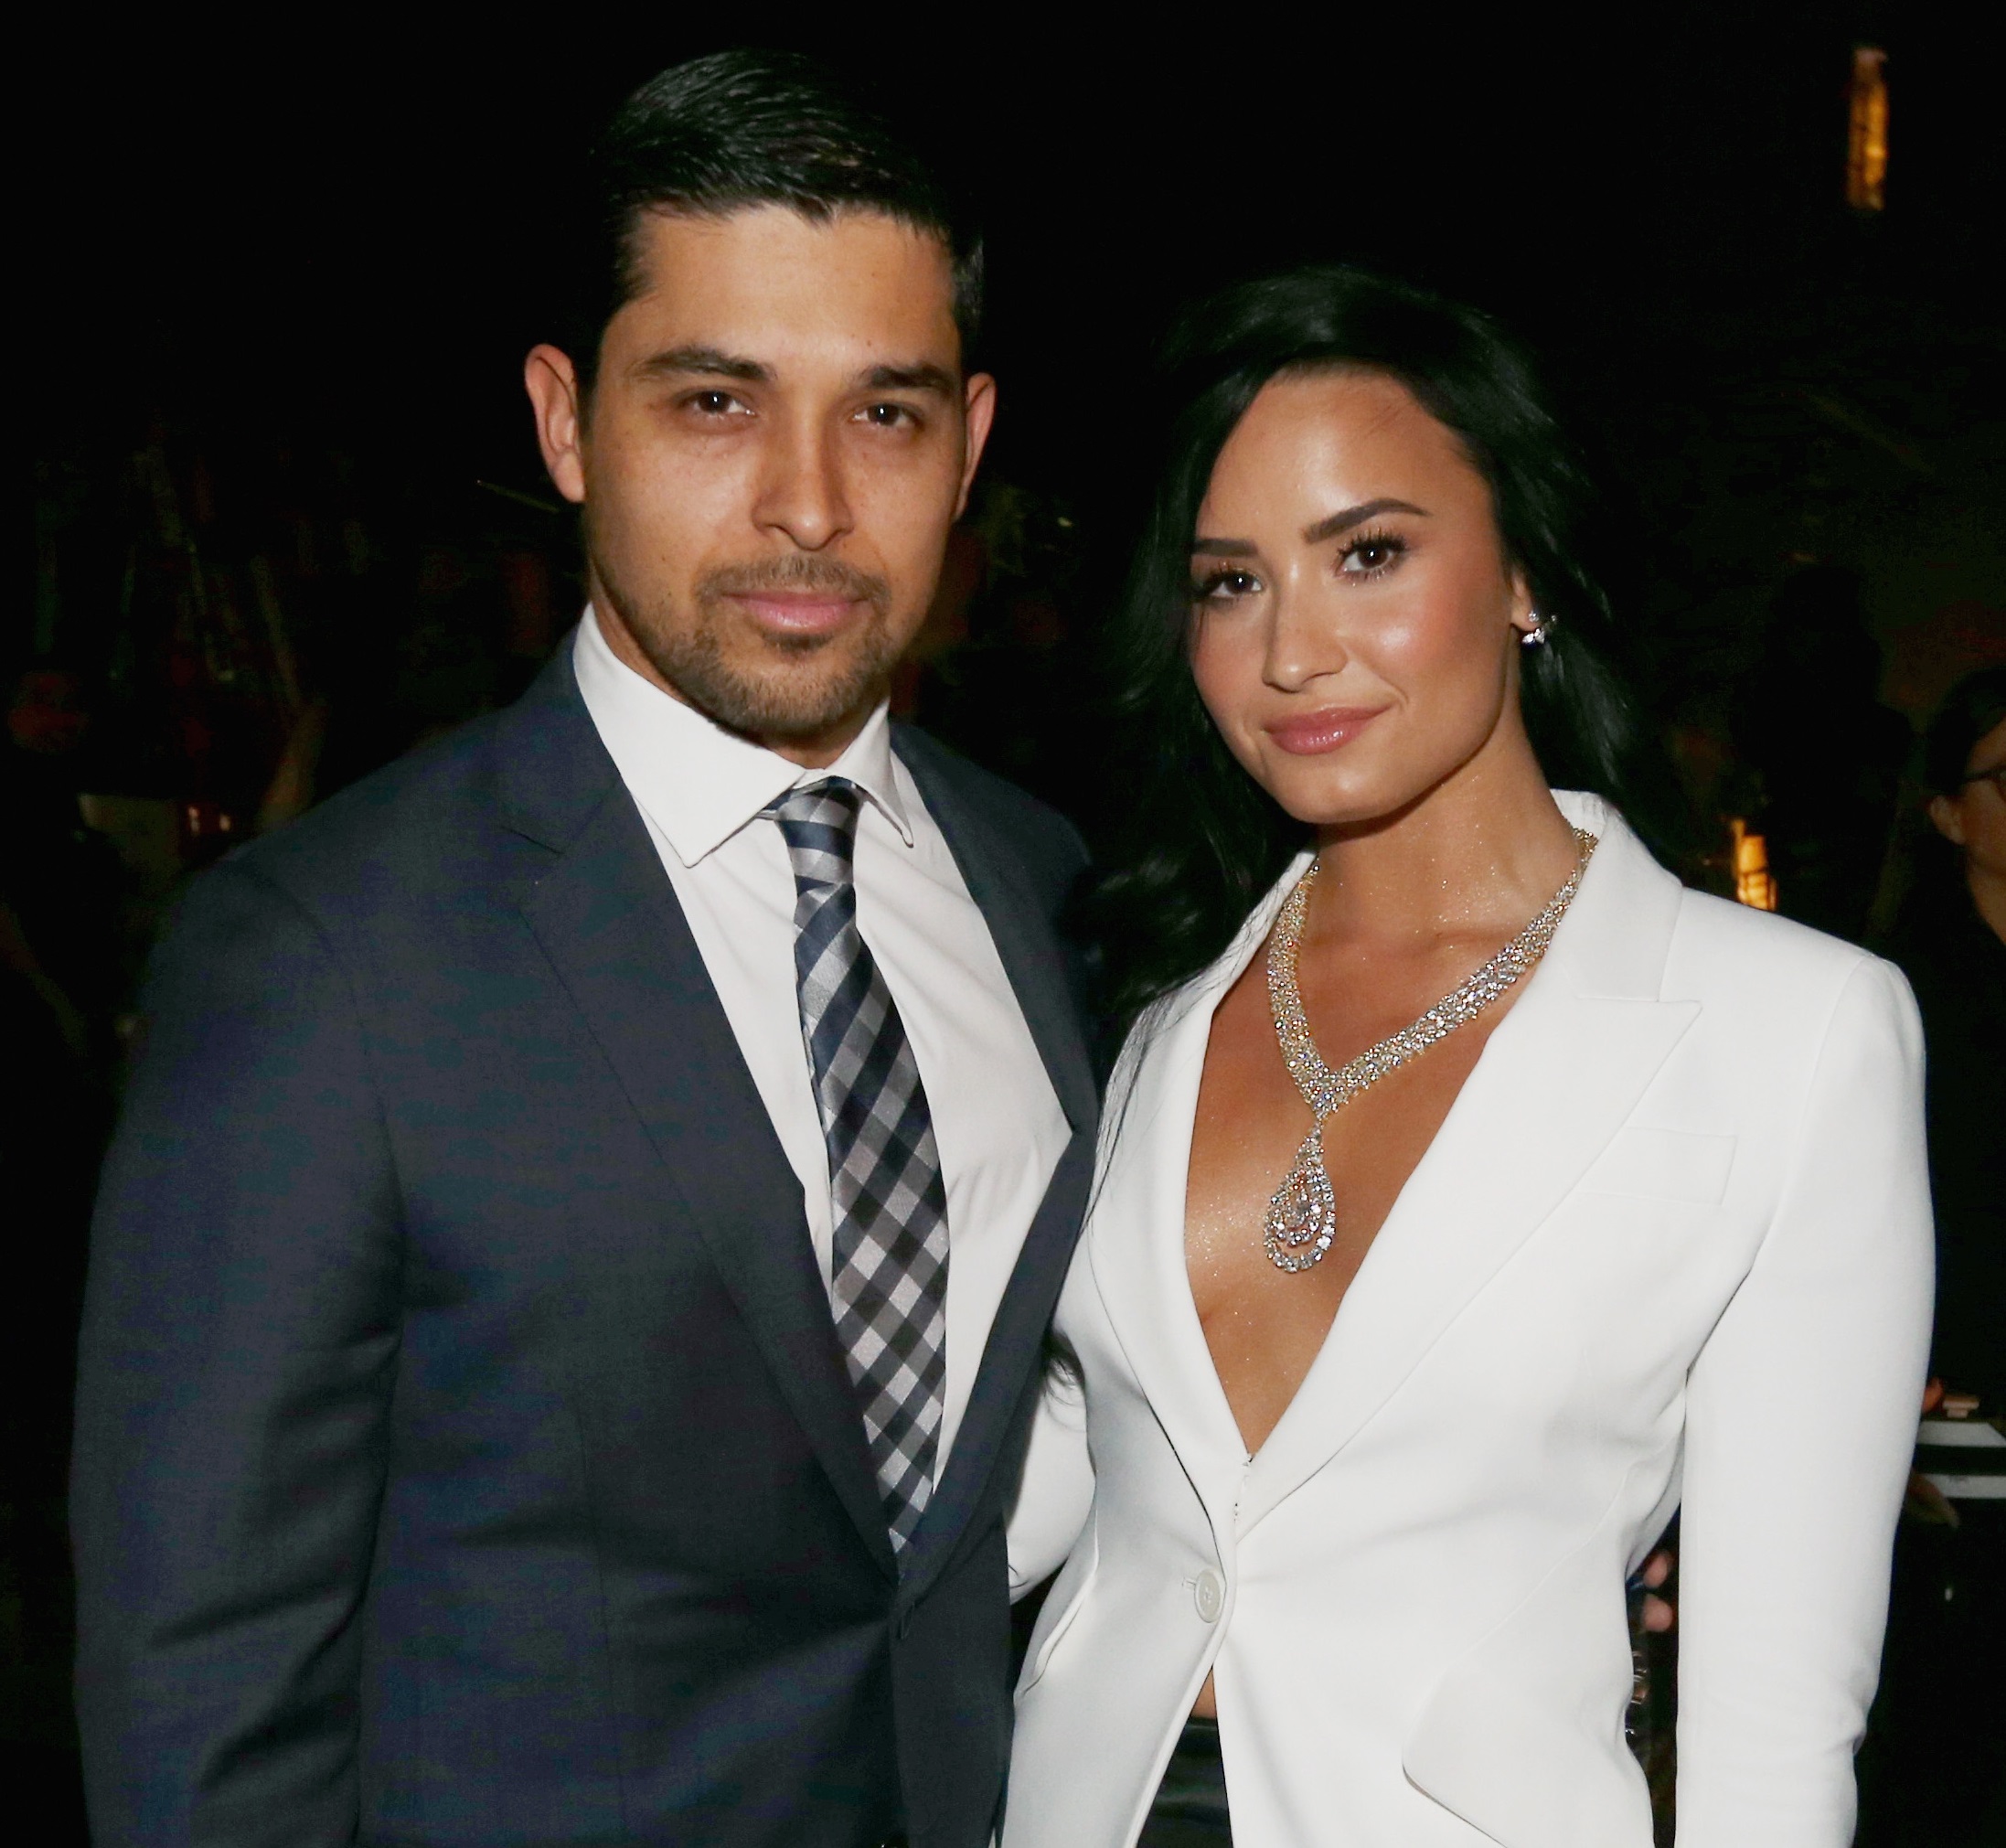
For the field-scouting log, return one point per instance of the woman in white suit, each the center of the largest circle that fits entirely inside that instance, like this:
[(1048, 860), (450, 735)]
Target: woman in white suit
[(1474, 1195)]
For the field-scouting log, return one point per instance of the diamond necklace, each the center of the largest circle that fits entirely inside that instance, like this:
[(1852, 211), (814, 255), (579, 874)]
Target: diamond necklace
[(1302, 1218)]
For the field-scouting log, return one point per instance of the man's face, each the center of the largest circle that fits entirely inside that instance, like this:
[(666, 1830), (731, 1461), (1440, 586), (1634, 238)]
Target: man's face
[(779, 438)]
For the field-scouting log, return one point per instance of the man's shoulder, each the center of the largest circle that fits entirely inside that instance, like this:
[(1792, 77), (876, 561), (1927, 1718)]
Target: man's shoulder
[(1049, 844), (454, 813), (393, 821)]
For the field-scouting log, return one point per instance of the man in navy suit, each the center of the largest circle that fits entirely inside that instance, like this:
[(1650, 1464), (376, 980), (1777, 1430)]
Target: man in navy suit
[(567, 1293)]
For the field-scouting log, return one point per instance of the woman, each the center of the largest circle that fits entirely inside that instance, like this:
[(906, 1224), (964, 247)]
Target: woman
[(1472, 1193)]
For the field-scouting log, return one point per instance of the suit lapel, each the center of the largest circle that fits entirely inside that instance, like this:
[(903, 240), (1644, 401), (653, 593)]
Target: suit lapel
[(1035, 962), (1559, 1077), (1033, 958), (607, 918)]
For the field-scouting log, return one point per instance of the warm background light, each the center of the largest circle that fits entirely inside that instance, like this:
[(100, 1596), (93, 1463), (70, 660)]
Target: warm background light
[(1866, 131), (1755, 884)]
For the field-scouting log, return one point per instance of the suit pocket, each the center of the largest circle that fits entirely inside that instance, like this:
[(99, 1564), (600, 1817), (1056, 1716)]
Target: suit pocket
[(1663, 1164), (1064, 1604)]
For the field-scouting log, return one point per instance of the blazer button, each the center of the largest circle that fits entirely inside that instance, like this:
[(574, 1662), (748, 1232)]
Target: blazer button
[(1209, 1593)]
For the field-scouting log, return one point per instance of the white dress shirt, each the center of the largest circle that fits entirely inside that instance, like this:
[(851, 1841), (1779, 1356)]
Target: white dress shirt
[(996, 1120)]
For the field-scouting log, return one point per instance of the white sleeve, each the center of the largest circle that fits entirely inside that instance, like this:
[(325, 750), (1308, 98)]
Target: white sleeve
[(1800, 1427), (1057, 1489)]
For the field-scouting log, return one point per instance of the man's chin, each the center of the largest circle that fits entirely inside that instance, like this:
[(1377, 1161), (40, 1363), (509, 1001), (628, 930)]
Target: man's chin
[(772, 706)]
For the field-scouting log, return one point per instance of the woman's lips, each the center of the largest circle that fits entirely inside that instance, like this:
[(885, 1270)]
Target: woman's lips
[(1313, 733)]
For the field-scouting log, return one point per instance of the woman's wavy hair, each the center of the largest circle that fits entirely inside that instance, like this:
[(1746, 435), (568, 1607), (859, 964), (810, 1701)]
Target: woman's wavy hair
[(1203, 841)]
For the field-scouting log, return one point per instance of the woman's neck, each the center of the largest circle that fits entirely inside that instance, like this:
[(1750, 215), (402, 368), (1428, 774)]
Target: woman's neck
[(1477, 856)]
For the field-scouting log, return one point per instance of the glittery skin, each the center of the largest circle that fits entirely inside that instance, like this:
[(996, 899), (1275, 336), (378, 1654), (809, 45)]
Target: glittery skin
[(1302, 1218)]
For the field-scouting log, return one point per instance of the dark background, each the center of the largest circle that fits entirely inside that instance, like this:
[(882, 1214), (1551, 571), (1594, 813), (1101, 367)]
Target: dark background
[(276, 285)]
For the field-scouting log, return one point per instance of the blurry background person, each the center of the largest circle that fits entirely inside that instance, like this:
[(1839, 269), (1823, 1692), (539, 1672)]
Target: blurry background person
[(1951, 940), (58, 964), (1932, 1770)]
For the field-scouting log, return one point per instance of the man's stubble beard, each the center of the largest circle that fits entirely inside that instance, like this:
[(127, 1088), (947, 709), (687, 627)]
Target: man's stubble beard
[(793, 700)]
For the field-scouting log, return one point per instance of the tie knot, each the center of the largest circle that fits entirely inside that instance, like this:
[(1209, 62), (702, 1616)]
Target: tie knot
[(819, 822)]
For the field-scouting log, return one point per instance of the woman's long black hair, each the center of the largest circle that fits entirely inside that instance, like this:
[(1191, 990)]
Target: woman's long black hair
[(1203, 840)]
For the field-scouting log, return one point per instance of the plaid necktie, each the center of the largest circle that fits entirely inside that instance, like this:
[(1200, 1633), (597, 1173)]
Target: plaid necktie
[(888, 1266)]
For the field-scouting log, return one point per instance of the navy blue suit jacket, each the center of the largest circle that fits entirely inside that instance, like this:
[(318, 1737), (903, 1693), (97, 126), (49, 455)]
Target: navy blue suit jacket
[(464, 1452)]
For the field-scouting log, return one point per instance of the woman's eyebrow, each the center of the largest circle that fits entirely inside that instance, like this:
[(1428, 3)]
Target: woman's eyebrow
[(1330, 527), (1333, 524)]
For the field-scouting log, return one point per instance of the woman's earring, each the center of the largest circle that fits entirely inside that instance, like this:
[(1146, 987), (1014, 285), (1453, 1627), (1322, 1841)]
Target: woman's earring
[(1543, 626)]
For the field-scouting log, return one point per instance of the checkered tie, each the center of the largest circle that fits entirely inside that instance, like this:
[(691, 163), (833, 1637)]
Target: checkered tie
[(889, 1266)]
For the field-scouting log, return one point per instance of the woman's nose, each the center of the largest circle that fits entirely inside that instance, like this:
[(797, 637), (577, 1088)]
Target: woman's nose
[(1302, 642)]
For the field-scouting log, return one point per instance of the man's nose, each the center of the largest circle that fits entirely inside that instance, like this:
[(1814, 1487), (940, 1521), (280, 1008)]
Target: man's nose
[(801, 489)]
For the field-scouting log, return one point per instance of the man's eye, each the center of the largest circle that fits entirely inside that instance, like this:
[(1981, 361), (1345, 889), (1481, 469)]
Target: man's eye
[(887, 416), (715, 404)]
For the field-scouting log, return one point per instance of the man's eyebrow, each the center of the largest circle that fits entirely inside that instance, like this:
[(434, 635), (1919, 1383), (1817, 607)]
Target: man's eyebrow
[(1333, 524), (710, 362), (924, 376)]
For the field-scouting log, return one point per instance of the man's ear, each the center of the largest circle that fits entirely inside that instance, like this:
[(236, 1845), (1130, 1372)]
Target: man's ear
[(978, 411), (1948, 819), (552, 381)]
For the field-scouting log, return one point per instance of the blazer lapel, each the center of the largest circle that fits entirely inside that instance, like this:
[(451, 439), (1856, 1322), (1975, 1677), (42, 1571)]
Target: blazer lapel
[(607, 917), (1558, 1078), (1136, 1243)]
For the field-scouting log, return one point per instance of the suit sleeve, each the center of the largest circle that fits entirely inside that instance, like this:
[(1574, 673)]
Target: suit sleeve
[(1800, 1427), (237, 1351)]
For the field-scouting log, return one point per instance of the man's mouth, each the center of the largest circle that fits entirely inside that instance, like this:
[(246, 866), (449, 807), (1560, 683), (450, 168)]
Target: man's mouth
[(796, 615)]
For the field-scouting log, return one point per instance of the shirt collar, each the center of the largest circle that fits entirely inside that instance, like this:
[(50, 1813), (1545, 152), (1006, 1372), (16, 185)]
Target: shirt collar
[(697, 783)]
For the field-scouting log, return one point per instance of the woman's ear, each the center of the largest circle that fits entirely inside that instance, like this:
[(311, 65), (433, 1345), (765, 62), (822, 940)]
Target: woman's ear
[(1947, 816), (1523, 617)]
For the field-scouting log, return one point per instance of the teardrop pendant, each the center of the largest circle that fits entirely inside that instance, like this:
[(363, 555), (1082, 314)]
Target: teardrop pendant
[(1302, 1218)]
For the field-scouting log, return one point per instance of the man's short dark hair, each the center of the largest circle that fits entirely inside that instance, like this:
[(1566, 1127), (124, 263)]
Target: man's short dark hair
[(740, 129)]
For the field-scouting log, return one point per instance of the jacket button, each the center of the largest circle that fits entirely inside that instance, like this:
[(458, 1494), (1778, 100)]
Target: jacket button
[(1209, 1593)]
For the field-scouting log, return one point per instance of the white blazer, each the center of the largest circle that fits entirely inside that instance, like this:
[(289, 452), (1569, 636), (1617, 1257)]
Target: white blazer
[(1671, 1247)]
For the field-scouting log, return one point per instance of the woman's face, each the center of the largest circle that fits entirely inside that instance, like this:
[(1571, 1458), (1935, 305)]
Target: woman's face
[(1355, 626)]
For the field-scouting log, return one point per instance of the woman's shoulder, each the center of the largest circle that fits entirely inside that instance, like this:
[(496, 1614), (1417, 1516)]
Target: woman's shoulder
[(1771, 969)]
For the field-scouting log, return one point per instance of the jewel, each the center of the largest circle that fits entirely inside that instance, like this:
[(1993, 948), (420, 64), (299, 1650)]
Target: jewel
[(1304, 1212), (1302, 1218)]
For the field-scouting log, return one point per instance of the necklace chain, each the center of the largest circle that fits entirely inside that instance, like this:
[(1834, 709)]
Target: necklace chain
[(1302, 1217)]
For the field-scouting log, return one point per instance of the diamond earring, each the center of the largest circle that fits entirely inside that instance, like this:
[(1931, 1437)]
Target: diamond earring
[(1543, 626)]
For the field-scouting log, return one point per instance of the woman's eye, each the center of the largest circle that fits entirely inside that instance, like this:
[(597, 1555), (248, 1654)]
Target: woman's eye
[(1225, 587), (1368, 556)]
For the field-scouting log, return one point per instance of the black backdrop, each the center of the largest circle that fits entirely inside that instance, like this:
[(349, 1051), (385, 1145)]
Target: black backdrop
[(333, 235)]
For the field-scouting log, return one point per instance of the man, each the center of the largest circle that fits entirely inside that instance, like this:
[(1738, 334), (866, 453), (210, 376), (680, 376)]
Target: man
[(567, 1288)]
